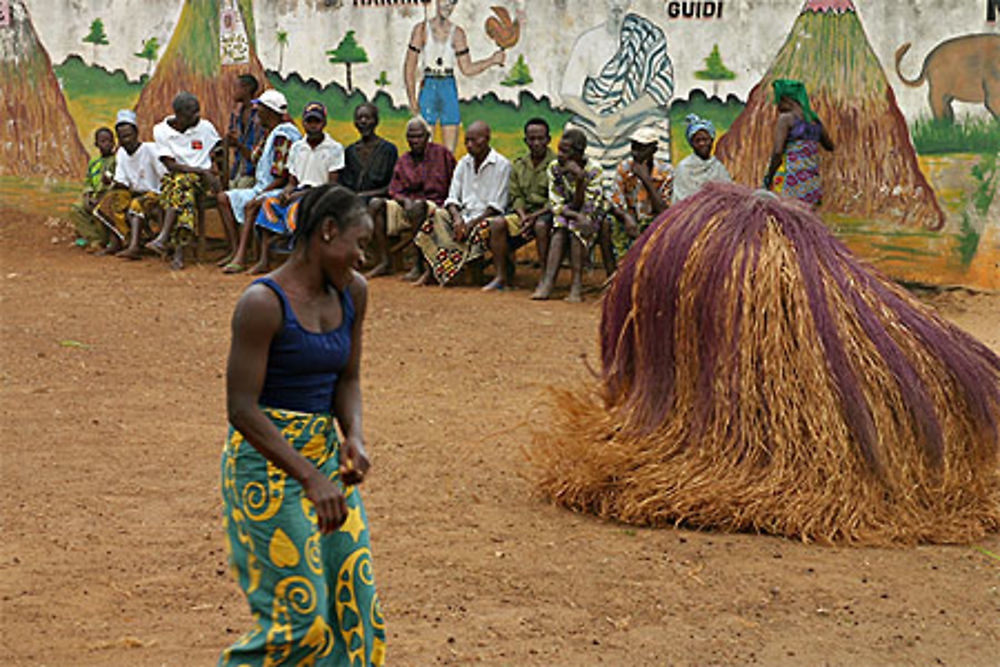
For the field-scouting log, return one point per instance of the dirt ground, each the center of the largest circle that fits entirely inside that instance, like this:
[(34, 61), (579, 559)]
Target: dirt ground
[(113, 554)]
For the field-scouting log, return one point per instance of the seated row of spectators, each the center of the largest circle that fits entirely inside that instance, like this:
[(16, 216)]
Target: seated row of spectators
[(459, 213)]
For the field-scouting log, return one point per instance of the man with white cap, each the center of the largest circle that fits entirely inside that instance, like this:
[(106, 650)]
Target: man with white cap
[(270, 175), (186, 143), (135, 194), (643, 189)]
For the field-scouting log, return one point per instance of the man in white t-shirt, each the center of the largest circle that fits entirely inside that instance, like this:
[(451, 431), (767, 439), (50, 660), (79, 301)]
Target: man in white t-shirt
[(313, 161), (135, 194), (186, 144), (479, 191)]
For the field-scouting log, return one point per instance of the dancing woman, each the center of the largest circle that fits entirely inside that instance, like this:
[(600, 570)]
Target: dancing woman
[(296, 526), (798, 136)]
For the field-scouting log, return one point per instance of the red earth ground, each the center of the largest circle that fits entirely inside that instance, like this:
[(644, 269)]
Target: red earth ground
[(112, 550)]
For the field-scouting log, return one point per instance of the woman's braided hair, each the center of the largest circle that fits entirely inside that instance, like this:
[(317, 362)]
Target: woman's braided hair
[(322, 202)]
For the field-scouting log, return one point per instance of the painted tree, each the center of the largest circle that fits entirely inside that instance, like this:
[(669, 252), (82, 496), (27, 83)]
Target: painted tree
[(37, 134), (347, 53), (192, 62), (281, 37), (383, 80), (150, 52), (519, 74), (874, 171), (714, 70), (96, 36)]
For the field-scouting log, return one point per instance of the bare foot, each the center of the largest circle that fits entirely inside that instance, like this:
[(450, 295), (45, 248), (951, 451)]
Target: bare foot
[(177, 263), (258, 269), (575, 295), (133, 254), (542, 292), (228, 258), (380, 269), (157, 246), (495, 285), (423, 279), (234, 267), (411, 275)]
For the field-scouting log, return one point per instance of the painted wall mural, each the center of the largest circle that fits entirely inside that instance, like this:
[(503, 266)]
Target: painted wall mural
[(909, 91)]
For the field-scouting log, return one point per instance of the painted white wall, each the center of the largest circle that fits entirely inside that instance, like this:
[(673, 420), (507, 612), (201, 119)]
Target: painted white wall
[(749, 35)]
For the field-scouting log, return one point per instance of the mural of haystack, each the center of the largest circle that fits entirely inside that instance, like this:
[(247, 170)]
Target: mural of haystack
[(37, 133), (874, 170), (192, 62), (757, 376)]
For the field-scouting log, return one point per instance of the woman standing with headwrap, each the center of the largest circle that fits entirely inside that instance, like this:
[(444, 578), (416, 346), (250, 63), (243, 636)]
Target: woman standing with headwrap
[(701, 166), (798, 136)]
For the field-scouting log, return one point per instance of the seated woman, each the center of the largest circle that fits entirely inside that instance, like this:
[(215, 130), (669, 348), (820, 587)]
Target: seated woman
[(700, 167), (271, 174), (798, 136), (576, 199)]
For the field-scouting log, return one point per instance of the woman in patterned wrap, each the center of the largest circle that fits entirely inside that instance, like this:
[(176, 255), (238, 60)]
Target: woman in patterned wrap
[(295, 523), (798, 136)]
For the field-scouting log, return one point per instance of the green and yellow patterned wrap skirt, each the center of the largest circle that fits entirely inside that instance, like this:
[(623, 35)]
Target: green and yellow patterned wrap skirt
[(312, 596)]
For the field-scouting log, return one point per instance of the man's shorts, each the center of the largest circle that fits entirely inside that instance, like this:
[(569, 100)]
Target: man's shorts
[(439, 100), (395, 217)]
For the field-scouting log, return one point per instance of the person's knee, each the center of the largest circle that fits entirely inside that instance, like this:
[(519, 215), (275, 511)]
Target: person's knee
[(541, 227), (498, 225)]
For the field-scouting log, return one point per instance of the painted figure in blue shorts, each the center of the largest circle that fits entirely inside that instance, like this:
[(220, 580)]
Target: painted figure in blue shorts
[(436, 46)]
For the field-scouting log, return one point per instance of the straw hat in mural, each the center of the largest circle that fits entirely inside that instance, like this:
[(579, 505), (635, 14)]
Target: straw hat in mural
[(757, 376)]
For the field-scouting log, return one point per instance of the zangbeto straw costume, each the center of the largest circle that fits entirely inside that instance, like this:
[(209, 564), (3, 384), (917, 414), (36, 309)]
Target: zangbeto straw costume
[(757, 376)]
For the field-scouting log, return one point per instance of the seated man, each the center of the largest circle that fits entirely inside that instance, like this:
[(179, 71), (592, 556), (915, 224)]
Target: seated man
[(313, 161), (369, 161), (271, 157), (100, 170), (134, 198), (529, 194), (186, 143), (701, 166), (577, 202), (478, 192), (418, 188), (642, 190)]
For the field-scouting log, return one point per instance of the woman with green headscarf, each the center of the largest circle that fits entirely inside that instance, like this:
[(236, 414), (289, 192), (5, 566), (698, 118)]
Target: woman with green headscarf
[(798, 136)]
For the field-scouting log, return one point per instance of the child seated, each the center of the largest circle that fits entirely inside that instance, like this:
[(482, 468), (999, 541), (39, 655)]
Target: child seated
[(100, 170)]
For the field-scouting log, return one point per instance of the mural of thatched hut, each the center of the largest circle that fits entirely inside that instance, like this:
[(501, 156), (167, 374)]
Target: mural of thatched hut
[(193, 62), (874, 170), (37, 133)]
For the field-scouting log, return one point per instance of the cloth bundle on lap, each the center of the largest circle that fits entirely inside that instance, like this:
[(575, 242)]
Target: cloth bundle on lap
[(757, 376)]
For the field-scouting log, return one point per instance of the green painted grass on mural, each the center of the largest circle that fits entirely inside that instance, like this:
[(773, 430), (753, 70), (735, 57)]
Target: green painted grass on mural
[(94, 95), (505, 118), (970, 135)]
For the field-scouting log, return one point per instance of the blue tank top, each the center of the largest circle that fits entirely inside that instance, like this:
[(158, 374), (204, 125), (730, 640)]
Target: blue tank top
[(303, 366)]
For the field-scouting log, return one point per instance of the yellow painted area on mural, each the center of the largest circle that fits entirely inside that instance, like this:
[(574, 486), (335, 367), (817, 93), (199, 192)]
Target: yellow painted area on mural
[(91, 113), (282, 551)]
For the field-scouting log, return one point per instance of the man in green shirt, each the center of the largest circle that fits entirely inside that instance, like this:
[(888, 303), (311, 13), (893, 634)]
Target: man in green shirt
[(530, 217)]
